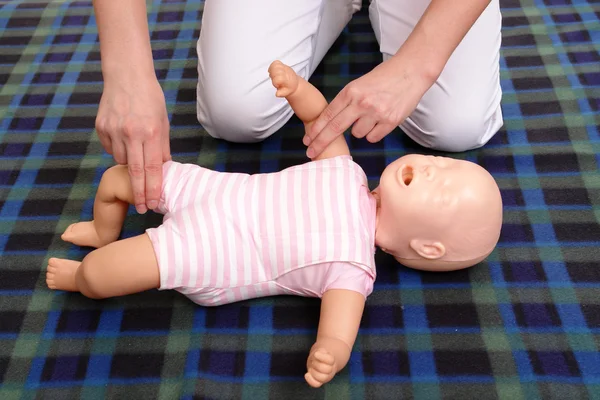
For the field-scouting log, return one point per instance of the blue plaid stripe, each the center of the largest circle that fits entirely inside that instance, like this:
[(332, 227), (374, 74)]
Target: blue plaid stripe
[(524, 324)]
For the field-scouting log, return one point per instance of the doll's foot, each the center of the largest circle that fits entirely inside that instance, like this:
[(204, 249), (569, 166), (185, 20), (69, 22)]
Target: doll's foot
[(283, 78), (83, 234), (60, 274)]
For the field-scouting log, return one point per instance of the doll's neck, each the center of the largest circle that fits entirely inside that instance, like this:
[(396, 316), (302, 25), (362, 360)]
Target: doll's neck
[(376, 198)]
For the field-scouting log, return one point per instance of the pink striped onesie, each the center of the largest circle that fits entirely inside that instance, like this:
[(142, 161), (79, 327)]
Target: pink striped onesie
[(227, 237)]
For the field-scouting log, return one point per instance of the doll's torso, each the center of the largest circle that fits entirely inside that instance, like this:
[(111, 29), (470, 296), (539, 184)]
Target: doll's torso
[(230, 236)]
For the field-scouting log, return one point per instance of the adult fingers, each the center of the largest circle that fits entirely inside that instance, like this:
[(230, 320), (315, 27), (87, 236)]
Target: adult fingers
[(332, 130), (103, 135), (337, 105), (363, 126), (152, 171), (119, 152), (105, 141), (379, 132), (135, 165)]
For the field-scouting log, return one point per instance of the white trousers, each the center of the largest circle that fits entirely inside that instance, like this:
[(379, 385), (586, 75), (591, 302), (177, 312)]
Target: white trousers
[(239, 40)]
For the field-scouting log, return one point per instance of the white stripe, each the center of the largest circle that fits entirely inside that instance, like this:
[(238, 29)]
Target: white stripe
[(230, 248), (273, 288), (327, 182), (177, 251), (188, 231), (258, 289), (312, 210), (216, 224), (270, 217), (299, 218), (164, 258), (246, 252), (243, 292), (169, 187), (229, 295), (342, 197), (256, 226), (202, 217), (284, 216)]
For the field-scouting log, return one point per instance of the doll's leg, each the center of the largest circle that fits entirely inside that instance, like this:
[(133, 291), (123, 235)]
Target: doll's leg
[(120, 268), (110, 208)]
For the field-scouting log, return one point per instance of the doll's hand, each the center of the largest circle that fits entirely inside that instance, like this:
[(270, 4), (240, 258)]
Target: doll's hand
[(321, 367), (283, 78)]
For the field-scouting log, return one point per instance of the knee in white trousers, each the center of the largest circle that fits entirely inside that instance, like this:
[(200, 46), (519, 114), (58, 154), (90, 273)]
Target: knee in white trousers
[(236, 100)]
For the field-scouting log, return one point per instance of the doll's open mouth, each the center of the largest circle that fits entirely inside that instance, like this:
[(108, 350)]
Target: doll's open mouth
[(407, 174)]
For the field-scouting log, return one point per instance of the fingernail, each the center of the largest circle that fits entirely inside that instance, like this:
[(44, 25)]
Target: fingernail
[(140, 208), (310, 153), (152, 204), (306, 140)]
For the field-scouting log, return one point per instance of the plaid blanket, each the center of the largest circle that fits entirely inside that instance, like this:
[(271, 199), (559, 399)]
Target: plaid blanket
[(525, 324)]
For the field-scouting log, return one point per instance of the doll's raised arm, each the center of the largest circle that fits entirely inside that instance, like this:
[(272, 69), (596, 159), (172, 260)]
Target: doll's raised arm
[(341, 313), (306, 101)]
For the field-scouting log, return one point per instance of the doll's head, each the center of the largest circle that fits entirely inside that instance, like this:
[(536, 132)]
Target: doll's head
[(437, 213)]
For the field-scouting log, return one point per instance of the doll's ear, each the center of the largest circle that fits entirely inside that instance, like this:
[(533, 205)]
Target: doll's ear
[(428, 249)]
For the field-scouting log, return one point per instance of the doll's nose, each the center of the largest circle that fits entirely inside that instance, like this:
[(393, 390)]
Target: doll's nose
[(428, 172)]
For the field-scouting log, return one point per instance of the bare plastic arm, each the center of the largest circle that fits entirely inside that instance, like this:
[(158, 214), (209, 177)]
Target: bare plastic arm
[(306, 101), (341, 313)]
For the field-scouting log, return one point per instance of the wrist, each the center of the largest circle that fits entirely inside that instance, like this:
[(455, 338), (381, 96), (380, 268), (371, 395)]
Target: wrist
[(422, 67), (127, 73)]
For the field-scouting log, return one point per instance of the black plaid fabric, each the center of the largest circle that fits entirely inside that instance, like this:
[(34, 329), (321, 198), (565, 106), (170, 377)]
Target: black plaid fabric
[(525, 324)]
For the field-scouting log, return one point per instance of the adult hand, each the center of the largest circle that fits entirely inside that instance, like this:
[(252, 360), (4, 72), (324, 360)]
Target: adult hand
[(133, 126), (373, 104)]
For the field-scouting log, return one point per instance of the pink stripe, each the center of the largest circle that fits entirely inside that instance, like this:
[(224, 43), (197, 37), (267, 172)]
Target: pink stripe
[(305, 214), (171, 233), (326, 205), (170, 236), (280, 188), (232, 250), (272, 223), (219, 264), (175, 186), (208, 269), (316, 236), (294, 199), (237, 294), (251, 291), (337, 212), (353, 226), (185, 236), (256, 227), (261, 224), (195, 219), (168, 187), (190, 193), (180, 249)]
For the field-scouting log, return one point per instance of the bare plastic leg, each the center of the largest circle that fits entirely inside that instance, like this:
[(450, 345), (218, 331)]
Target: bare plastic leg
[(110, 208), (120, 268), (115, 268)]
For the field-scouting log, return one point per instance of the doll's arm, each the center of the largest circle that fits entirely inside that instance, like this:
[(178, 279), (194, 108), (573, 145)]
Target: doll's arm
[(341, 313), (306, 101)]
